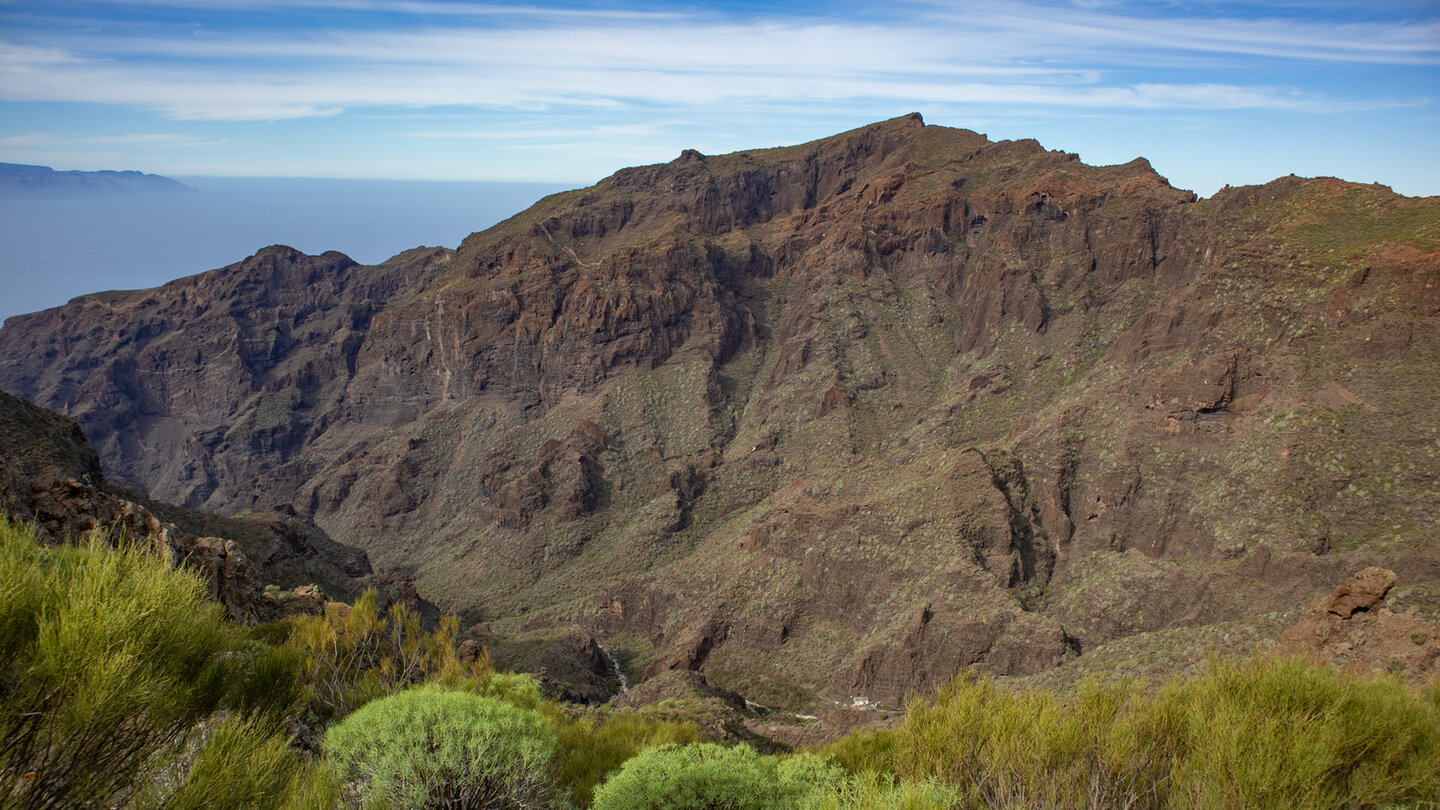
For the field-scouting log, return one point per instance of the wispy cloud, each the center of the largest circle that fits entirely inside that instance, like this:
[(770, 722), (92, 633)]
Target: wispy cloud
[(538, 131), (1408, 43), (410, 88), (535, 86), (52, 140), (1006, 54), (421, 8)]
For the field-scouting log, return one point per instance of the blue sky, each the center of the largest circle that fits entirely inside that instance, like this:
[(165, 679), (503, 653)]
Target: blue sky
[(1211, 92)]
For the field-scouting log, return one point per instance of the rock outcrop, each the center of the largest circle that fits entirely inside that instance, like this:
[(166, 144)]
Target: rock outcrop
[(830, 421), (1355, 630), (50, 478)]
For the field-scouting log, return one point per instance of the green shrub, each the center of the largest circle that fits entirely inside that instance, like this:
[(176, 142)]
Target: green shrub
[(356, 654), (269, 681), (1244, 735), (705, 775), (516, 688), (1294, 735), (107, 657), (810, 770), (873, 791), (592, 747), (435, 747), (864, 751), (315, 788), (241, 762)]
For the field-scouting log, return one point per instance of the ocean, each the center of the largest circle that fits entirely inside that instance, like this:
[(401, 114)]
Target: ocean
[(53, 249)]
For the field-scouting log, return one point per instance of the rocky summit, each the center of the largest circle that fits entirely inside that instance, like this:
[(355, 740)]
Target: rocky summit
[(826, 423)]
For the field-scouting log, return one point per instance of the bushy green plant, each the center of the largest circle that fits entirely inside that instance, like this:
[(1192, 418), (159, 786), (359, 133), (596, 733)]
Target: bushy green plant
[(270, 681), (1261, 734), (1291, 734), (516, 688), (701, 776), (107, 656), (592, 747), (873, 791), (864, 751), (355, 654), (240, 762), (431, 746)]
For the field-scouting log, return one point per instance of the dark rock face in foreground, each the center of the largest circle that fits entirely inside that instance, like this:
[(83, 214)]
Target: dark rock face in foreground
[(50, 478), (836, 419)]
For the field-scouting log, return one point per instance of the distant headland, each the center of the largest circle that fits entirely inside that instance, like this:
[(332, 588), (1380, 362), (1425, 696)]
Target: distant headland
[(19, 180)]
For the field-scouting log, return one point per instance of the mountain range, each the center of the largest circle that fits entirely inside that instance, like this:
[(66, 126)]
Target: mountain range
[(19, 180), (825, 423)]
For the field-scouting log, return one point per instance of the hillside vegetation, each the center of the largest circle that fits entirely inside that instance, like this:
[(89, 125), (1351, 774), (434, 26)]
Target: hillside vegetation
[(121, 685)]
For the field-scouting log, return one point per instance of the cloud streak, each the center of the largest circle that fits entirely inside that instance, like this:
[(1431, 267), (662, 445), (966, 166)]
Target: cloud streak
[(407, 88), (1012, 54), (326, 93), (52, 140), (424, 8)]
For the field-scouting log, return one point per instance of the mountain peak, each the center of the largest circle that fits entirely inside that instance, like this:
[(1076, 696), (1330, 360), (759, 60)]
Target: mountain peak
[(834, 419)]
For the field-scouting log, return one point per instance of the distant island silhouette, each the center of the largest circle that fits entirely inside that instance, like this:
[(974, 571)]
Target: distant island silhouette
[(20, 180)]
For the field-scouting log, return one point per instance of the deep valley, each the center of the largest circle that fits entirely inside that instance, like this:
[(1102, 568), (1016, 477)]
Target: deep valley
[(825, 424)]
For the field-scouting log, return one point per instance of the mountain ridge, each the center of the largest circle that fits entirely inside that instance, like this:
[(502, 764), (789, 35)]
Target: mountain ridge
[(823, 421), (19, 180)]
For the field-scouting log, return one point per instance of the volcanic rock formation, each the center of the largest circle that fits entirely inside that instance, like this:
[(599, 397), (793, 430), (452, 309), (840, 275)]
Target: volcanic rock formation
[(50, 479), (832, 420)]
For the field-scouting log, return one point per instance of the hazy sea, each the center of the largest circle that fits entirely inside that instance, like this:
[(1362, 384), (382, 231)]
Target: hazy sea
[(53, 249)]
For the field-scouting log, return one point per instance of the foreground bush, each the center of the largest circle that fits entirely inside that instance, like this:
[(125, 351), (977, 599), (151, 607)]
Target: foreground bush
[(871, 791), (1290, 734), (355, 654), (239, 762), (109, 660), (702, 776), (436, 747), (591, 746), (1264, 734)]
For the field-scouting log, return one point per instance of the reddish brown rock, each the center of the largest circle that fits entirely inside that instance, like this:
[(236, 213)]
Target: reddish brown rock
[(690, 653), (833, 398), (795, 394), (1361, 592), (68, 510), (1354, 630), (303, 600)]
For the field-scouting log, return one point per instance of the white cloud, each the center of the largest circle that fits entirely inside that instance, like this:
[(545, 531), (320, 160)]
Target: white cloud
[(1413, 43), (27, 57), (1016, 54), (428, 8), (538, 132), (504, 78), (51, 140)]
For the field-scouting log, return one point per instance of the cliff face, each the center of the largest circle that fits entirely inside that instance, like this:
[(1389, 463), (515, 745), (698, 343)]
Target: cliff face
[(51, 479), (834, 419)]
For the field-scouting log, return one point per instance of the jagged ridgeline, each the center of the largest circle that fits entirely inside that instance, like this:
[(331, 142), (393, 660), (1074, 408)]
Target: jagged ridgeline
[(836, 420)]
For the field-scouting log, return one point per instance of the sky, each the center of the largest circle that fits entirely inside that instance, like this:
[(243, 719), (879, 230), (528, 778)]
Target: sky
[(1212, 93)]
